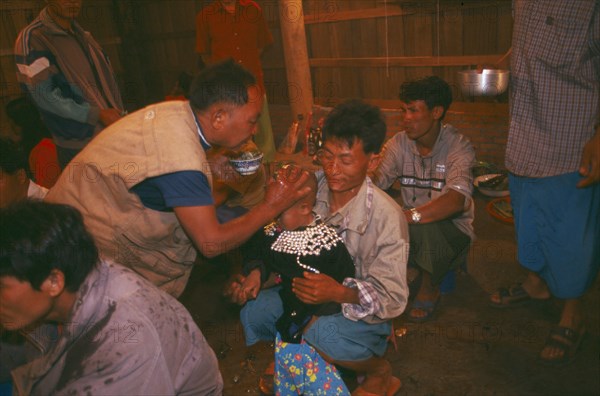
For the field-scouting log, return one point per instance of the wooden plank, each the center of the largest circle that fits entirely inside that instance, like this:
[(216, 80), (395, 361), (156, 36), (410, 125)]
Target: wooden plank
[(455, 107), (414, 61), (351, 15), (328, 12)]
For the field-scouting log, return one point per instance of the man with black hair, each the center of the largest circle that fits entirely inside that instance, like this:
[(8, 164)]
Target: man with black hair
[(118, 334), (68, 76), (432, 162), (144, 185), (15, 184), (375, 233)]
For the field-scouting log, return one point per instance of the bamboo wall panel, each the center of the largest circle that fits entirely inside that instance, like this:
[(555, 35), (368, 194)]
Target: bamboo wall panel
[(374, 46)]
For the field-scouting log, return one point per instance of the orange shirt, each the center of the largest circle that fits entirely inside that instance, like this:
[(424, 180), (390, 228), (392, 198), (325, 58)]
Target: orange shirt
[(240, 36)]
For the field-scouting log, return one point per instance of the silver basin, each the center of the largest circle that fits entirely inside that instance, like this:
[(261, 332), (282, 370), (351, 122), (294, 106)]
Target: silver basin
[(490, 82)]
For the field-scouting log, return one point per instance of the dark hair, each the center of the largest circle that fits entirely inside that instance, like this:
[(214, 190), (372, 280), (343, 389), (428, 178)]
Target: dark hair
[(38, 237), (223, 82), (12, 157), (432, 90), (24, 113), (355, 120)]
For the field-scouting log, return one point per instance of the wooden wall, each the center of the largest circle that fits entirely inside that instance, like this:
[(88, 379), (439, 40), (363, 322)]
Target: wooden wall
[(368, 48), (357, 48)]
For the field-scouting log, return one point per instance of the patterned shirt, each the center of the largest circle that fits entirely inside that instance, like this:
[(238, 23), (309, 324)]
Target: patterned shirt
[(554, 85)]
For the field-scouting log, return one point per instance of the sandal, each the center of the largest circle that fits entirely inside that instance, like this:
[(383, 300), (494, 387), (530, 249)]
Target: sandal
[(266, 381), (426, 306), (566, 340), (511, 297)]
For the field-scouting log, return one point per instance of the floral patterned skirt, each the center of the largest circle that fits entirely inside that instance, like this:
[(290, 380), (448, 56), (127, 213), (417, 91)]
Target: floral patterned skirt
[(300, 370)]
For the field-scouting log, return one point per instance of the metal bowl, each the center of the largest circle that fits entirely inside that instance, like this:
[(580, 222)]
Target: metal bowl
[(500, 191), (490, 82)]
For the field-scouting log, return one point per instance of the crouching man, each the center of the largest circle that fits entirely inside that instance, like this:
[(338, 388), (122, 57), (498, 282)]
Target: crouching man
[(118, 334)]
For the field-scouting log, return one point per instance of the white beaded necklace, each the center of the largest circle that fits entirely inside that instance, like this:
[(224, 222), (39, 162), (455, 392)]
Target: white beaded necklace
[(310, 241)]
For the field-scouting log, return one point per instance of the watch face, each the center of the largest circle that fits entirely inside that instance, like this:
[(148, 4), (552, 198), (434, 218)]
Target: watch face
[(416, 216)]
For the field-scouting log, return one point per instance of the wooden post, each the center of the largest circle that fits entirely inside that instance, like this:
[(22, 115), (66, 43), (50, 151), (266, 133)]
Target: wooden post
[(296, 58)]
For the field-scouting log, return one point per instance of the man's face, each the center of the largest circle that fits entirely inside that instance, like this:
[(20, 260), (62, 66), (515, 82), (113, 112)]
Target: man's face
[(241, 122), (13, 187), (21, 305), (345, 167), (417, 120), (66, 9)]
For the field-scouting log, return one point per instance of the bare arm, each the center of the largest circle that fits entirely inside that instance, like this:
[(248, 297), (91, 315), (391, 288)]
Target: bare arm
[(213, 238), (443, 207), (590, 161)]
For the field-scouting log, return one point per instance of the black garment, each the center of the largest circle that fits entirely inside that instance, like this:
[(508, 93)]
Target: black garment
[(331, 258)]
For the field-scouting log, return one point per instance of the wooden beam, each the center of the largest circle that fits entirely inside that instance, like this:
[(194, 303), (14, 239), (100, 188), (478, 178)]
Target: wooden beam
[(332, 14), (295, 51), (412, 61), (456, 107), (351, 15)]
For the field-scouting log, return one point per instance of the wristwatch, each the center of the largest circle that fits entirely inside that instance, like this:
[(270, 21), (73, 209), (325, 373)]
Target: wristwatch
[(416, 215)]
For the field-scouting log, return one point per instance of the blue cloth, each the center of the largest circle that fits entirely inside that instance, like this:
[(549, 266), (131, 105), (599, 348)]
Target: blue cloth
[(343, 339), (340, 338), (227, 213), (558, 231), (6, 388), (185, 188), (258, 316), (300, 370)]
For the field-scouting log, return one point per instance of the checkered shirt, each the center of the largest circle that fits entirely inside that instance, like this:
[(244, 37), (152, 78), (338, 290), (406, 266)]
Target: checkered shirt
[(554, 85)]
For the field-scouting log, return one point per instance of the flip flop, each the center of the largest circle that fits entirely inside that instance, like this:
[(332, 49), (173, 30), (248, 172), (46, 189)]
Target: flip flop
[(426, 306), (394, 387), (513, 296), (266, 380), (565, 339)]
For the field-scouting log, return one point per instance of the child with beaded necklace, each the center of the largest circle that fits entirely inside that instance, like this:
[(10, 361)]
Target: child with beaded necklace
[(296, 242)]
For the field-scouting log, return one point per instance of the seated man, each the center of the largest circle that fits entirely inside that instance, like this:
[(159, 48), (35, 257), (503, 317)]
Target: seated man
[(375, 233), (119, 334), (433, 164), (15, 184)]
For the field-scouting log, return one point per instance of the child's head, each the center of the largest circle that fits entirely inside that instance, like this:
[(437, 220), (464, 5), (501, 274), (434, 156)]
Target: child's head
[(300, 213)]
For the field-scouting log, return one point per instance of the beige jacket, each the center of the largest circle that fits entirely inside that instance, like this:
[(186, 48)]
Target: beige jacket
[(375, 232), (154, 141)]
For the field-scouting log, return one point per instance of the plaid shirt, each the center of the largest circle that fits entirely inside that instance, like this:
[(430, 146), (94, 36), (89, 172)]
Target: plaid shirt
[(554, 86)]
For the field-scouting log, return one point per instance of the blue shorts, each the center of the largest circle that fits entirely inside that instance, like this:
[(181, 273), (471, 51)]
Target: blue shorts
[(339, 338), (558, 231)]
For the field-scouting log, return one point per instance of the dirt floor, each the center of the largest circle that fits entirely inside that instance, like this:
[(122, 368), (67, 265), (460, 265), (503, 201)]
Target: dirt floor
[(468, 348)]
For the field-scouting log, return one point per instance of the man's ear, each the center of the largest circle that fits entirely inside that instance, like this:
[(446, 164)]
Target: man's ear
[(437, 112), (218, 117), (373, 163), (54, 284)]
